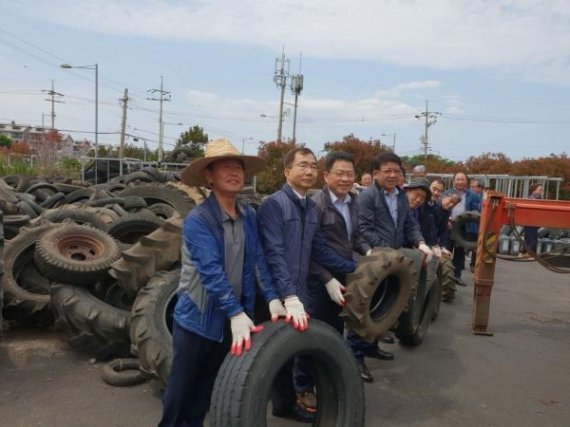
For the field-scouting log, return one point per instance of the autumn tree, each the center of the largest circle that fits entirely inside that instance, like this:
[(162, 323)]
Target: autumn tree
[(433, 163), (272, 178), (364, 152), (489, 163)]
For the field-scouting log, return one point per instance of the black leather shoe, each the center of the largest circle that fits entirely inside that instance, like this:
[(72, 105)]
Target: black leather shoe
[(387, 339), (365, 373), (296, 412), (460, 282), (376, 353)]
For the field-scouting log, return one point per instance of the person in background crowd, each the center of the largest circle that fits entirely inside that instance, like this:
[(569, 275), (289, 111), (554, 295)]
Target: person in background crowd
[(289, 227), (470, 201), (338, 219), (366, 180), (531, 233), (419, 171), (222, 262), (386, 220), (477, 186)]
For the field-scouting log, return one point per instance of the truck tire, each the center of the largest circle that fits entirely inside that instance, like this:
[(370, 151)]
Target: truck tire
[(459, 234), (151, 323), (75, 254), (243, 384), (378, 291), (77, 215), (123, 373), (162, 193), (414, 322), (131, 227)]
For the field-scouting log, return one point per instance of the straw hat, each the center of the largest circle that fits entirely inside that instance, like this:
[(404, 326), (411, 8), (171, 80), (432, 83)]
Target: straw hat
[(194, 173)]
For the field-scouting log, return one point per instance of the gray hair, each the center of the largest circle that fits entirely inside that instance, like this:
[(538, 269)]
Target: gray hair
[(419, 169)]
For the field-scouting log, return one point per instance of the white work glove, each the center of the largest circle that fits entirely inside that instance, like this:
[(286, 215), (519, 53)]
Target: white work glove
[(336, 291), (296, 313), (368, 252), (242, 328), (276, 309), (445, 252), (426, 251), (436, 251)]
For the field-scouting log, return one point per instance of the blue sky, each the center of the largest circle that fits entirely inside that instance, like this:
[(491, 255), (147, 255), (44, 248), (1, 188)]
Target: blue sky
[(499, 72)]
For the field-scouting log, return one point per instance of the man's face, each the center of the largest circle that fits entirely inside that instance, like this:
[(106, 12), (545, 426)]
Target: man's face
[(340, 178), (366, 180), (448, 203), (436, 190), (416, 197), (476, 187), (226, 175), (302, 174), (460, 181), (389, 175)]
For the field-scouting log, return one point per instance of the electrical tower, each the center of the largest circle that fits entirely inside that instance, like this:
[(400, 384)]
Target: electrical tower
[(280, 78), (162, 97), (124, 101), (296, 88), (430, 119), (52, 94)]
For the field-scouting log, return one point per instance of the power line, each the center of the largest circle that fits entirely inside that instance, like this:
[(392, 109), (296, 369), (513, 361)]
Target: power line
[(163, 96)]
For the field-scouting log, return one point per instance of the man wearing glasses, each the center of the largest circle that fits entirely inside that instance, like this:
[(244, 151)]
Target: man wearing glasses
[(385, 218), (289, 227)]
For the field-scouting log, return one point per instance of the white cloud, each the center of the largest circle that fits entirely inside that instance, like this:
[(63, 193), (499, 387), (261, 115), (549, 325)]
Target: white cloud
[(528, 36), (403, 88)]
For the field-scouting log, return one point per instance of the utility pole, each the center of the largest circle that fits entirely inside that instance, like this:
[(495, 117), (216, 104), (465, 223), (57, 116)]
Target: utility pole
[(162, 96), (124, 101), (52, 94), (280, 78), (430, 119), (296, 88)]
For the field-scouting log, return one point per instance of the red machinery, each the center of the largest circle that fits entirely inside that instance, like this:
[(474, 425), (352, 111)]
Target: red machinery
[(497, 211)]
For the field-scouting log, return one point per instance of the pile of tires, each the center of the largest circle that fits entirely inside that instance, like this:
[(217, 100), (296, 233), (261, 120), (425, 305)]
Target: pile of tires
[(101, 264)]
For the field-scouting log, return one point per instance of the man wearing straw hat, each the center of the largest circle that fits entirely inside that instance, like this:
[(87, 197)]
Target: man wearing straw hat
[(222, 258)]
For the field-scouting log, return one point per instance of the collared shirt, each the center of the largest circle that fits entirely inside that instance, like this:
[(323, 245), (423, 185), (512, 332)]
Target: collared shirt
[(234, 250), (343, 206), (459, 207), (392, 201)]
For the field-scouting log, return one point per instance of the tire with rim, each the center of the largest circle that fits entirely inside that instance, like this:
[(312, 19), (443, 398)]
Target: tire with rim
[(414, 322), (92, 325), (131, 227), (75, 254), (243, 384), (378, 291), (458, 232), (151, 323)]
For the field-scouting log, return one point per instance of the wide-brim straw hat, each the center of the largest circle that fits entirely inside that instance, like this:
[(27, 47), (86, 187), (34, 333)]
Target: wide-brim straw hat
[(218, 149)]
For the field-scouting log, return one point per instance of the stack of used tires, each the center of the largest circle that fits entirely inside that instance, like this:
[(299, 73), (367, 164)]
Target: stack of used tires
[(98, 262)]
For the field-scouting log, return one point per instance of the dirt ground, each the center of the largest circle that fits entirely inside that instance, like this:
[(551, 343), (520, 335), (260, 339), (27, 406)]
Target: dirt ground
[(518, 377)]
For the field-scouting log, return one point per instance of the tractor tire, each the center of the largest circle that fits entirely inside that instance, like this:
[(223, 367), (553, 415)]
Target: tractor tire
[(151, 323), (131, 227), (160, 250), (243, 385), (162, 193), (78, 215), (458, 233), (378, 291), (75, 254), (447, 279), (162, 210)]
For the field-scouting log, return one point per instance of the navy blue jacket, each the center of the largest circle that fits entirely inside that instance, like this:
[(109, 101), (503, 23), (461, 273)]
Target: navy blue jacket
[(290, 235), (433, 224), (206, 298), (376, 223)]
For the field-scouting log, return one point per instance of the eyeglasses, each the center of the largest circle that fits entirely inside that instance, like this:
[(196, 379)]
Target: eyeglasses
[(343, 174), (306, 166), (391, 171)]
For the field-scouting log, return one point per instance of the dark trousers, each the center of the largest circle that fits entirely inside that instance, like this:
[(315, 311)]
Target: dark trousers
[(458, 258), (530, 238), (195, 364)]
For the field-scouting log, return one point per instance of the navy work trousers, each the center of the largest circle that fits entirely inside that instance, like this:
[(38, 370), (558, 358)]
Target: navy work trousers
[(195, 364)]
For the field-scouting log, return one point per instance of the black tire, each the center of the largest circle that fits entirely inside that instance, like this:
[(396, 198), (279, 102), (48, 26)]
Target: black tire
[(378, 291), (79, 195), (93, 325), (25, 208), (151, 323), (162, 210), (447, 279), (18, 182), (53, 200), (157, 175), (138, 177), (131, 227), (458, 233), (243, 384), (77, 215), (162, 193), (436, 288), (104, 201), (414, 322), (133, 203), (26, 305), (47, 188), (75, 254), (123, 373), (66, 188)]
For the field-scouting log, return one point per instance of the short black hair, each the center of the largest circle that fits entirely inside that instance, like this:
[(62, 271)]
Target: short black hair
[(289, 157), (457, 173), (387, 157), (438, 180), (335, 156)]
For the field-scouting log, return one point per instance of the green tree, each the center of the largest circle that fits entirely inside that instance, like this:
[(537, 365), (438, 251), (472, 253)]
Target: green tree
[(272, 178), (5, 141), (195, 138)]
